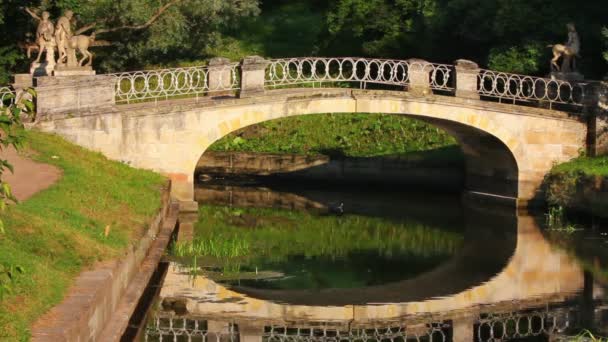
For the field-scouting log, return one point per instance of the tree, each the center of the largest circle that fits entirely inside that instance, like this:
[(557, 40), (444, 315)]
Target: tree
[(12, 109), (179, 34), (510, 34), (605, 33)]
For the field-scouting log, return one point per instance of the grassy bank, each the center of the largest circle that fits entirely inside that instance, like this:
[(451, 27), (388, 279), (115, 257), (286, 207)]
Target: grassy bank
[(580, 185), (93, 213), (350, 135)]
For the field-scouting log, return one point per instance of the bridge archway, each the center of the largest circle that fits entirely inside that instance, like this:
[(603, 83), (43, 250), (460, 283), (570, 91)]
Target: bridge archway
[(490, 165), (492, 142), (509, 148)]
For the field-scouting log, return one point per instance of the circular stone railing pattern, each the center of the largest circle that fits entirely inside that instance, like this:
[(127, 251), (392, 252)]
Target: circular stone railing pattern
[(486, 327), (299, 71), (167, 84), (172, 83), (505, 86), (7, 96)]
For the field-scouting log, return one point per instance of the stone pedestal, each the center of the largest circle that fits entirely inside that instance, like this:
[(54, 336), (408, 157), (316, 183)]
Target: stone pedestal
[(22, 81), (467, 78), (46, 68), (73, 95), (253, 75), (220, 77), (420, 77), (42, 69), (63, 70)]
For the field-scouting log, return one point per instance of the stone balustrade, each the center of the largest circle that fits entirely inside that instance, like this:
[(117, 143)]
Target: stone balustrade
[(255, 75)]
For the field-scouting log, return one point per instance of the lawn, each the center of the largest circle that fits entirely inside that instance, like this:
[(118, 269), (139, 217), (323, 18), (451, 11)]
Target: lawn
[(59, 232), (348, 135)]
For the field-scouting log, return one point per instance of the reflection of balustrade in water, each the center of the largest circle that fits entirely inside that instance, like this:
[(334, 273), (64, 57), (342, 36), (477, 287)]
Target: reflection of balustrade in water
[(483, 327)]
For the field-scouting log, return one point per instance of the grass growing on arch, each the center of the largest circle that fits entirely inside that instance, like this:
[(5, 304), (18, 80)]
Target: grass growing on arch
[(349, 135), (60, 231)]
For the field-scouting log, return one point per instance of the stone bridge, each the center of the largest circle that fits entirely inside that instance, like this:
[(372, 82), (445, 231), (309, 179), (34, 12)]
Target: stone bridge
[(512, 128)]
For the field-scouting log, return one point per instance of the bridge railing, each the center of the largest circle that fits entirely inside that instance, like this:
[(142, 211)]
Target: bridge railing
[(254, 74), (7, 96), (313, 71), (165, 84), (522, 88)]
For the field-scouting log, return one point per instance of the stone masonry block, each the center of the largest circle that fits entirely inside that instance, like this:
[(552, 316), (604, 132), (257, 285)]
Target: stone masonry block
[(71, 95), (253, 75)]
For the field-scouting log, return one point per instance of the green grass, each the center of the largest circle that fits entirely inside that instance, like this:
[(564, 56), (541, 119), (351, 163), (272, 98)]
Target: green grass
[(350, 135), (591, 166), (273, 235), (60, 231)]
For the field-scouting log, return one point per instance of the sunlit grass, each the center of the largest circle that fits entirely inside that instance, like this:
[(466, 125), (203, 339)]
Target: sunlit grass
[(594, 166), (62, 230)]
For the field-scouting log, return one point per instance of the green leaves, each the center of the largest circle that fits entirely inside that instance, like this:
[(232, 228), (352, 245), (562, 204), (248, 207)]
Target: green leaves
[(523, 60), (605, 34), (11, 129)]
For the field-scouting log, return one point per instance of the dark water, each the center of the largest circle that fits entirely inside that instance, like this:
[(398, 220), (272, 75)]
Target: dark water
[(303, 264)]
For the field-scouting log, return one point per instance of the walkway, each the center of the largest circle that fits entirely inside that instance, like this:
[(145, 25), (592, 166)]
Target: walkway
[(30, 177)]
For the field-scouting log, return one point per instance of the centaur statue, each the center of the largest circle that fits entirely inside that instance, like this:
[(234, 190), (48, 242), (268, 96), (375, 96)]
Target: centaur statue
[(568, 52), (66, 42)]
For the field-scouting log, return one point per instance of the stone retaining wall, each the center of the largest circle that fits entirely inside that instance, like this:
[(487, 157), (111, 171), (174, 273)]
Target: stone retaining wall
[(101, 301)]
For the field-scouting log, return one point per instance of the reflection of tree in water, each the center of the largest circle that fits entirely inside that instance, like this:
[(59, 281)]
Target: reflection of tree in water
[(588, 247), (317, 251)]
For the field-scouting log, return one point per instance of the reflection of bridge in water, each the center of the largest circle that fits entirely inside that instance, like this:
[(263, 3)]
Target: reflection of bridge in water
[(549, 322), (523, 296)]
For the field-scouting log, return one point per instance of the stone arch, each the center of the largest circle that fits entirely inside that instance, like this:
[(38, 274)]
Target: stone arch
[(479, 136), (170, 138)]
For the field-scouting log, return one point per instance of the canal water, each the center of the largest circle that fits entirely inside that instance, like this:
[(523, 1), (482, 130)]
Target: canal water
[(290, 263)]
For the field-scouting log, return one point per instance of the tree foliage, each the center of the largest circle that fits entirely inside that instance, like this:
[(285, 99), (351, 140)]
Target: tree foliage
[(11, 129), (179, 34), (605, 33), (509, 34)]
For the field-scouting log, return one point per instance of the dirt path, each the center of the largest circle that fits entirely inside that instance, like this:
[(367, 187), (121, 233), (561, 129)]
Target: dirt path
[(30, 177)]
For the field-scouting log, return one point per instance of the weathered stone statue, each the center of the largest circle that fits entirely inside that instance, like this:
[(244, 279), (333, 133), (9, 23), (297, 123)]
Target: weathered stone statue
[(45, 36), (67, 44), (63, 34), (44, 42), (67, 41), (568, 52)]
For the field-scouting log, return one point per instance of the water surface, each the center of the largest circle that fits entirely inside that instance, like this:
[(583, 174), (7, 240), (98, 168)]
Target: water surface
[(307, 264)]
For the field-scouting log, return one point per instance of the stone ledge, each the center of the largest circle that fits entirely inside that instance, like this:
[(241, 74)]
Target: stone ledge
[(305, 94), (91, 304)]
